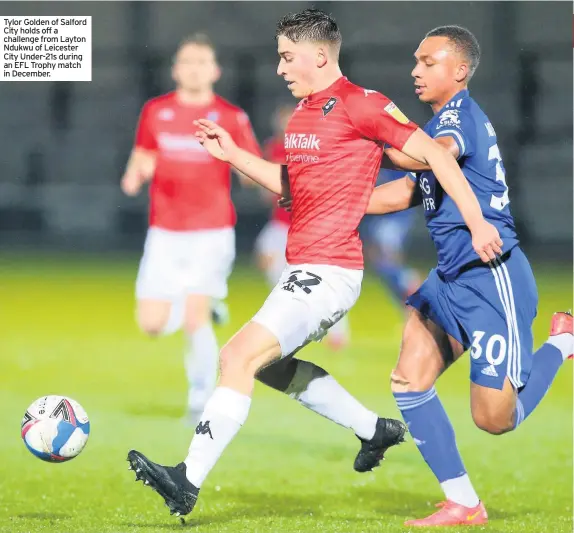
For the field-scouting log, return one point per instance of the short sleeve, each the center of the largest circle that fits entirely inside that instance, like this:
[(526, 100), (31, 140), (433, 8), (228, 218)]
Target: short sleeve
[(379, 119), (458, 124), (245, 137), (144, 133)]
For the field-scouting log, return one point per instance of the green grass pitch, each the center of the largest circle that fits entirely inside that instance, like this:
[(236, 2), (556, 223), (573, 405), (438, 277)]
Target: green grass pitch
[(67, 327)]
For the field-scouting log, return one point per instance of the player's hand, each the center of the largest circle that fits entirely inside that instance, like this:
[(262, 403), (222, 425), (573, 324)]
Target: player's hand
[(486, 241), (131, 184), (215, 139), (285, 203)]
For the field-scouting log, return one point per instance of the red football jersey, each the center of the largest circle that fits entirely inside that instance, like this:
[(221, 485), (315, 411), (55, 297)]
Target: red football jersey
[(275, 151), (190, 190), (334, 143)]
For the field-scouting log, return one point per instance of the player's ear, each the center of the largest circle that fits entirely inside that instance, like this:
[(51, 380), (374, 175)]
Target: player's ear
[(322, 54), (216, 73), (461, 72), (173, 73)]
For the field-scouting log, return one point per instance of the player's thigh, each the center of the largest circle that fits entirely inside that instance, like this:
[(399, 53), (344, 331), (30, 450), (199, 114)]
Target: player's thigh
[(426, 352), (153, 315), (493, 409), (306, 302), (251, 349), (197, 311), (160, 273), (209, 257), (497, 309)]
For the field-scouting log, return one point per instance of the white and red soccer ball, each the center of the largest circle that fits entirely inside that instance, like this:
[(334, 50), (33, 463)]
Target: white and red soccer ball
[(55, 428)]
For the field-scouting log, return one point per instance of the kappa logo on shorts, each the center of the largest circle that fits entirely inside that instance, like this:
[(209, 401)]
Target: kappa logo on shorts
[(295, 280), (203, 429)]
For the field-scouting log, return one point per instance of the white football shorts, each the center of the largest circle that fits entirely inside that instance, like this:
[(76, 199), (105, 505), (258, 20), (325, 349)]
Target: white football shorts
[(178, 263), (307, 301)]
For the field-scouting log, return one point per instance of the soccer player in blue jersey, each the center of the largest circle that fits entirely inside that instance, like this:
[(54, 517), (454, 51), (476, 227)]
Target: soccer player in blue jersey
[(466, 303), (384, 239)]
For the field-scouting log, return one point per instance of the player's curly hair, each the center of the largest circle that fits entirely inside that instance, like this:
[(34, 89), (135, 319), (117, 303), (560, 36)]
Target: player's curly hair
[(464, 42), (310, 25)]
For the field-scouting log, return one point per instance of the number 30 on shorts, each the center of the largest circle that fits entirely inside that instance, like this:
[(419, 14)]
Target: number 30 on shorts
[(494, 348)]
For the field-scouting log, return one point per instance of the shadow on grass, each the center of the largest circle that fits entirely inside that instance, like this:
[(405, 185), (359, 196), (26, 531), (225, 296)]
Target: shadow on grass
[(383, 504)]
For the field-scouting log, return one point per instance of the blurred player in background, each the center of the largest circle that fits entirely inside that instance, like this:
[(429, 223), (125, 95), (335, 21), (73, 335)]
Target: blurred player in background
[(464, 303), (271, 243), (190, 245), (384, 238), (272, 240), (334, 145)]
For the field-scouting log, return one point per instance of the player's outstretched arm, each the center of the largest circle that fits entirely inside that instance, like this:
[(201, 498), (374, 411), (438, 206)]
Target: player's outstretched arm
[(140, 168), (220, 145), (402, 161), (485, 238), (394, 196)]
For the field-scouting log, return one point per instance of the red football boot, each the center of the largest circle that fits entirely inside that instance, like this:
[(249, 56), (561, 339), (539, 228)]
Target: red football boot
[(562, 322), (453, 514)]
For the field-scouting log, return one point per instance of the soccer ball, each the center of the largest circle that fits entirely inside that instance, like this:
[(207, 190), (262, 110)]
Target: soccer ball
[(55, 428)]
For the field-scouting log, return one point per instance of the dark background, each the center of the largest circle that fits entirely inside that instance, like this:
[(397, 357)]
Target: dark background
[(64, 145)]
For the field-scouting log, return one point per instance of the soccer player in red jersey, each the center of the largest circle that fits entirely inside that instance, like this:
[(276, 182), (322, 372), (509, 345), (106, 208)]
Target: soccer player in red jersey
[(334, 144), (271, 242), (190, 245)]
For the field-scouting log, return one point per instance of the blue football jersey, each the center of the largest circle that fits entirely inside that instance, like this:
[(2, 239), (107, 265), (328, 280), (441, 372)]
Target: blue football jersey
[(480, 161)]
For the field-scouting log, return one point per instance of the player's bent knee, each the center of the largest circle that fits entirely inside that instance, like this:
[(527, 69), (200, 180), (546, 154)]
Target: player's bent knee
[(152, 325), (153, 316), (405, 382), (236, 362), (399, 383), (495, 423)]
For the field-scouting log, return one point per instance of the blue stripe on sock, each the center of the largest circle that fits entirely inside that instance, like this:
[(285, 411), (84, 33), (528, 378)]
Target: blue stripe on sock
[(432, 432), (403, 405)]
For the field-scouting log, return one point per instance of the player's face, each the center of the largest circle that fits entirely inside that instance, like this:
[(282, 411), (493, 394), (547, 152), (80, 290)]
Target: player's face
[(438, 70), (195, 68), (298, 65)]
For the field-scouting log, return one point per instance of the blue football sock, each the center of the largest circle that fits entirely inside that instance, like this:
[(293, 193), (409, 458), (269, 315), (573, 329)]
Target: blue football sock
[(432, 432), (434, 436), (545, 364)]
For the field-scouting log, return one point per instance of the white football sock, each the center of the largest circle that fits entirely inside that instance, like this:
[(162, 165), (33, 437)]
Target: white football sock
[(201, 360), (461, 491), (225, 413), (312, 387), (176, 316), (563, 342)]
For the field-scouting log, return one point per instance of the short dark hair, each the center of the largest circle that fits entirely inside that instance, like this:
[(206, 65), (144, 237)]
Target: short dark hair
[(464, 42), (310, 25), (199, 39)]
